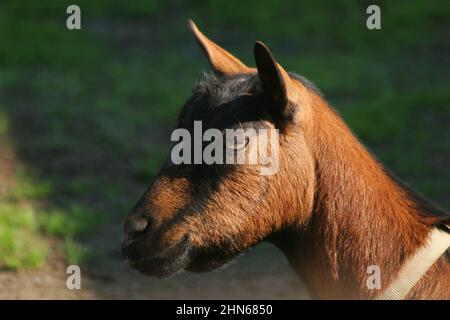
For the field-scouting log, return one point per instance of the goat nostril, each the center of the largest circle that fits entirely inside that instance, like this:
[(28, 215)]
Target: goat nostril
[(141, 225), (135, 227)]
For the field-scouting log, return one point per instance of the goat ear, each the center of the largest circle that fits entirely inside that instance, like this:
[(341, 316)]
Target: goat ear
[(222, 62), (276, 83)]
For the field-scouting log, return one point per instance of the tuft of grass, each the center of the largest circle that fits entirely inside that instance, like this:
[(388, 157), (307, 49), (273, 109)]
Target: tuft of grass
[(22, 226), (20, 244), (72, 222), (3, 124), (27, 189), (74, 252)]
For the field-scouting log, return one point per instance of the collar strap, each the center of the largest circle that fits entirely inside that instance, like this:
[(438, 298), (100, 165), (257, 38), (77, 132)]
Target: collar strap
[(414, 269)]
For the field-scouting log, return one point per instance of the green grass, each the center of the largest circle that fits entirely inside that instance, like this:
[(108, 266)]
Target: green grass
[(89, 112), (23, 228), (3, 124), (75, 252), (20, 243), (25, 188), (388, 117), (68, 223)]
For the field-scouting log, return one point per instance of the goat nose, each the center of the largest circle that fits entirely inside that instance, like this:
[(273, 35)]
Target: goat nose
[(132, 226)]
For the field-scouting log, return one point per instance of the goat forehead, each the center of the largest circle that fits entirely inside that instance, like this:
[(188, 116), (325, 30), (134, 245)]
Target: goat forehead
[(244, 111), (226, 87), (222, 103), (212, 82), (218, 90), (214, 90)]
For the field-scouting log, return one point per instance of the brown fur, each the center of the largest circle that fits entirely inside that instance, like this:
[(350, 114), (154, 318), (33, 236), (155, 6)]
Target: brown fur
[(360, 218), (332, 208)]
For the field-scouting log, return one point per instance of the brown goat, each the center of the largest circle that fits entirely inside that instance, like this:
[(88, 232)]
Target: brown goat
[(331, 208)]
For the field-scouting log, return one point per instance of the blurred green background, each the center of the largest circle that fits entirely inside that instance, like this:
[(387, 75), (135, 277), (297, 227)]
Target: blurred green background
[(85, 115)]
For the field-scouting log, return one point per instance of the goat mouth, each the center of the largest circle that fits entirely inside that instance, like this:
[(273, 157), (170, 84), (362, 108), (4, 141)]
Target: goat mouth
[(172, 260)]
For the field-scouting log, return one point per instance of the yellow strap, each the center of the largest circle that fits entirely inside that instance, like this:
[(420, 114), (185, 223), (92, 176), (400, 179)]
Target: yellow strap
[(417, 266)]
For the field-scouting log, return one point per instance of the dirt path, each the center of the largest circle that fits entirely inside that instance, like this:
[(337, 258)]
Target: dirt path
[(262, 273)]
